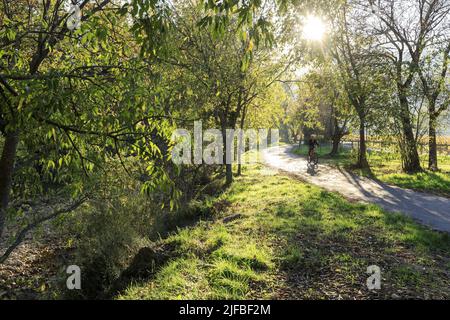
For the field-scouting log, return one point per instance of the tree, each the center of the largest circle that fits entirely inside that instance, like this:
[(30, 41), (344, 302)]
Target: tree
[(303, 113), (341, 117), (29, 41), (356, 70), (264, 111), (229, 71), (404, 30), (71, 101), (433, 76)]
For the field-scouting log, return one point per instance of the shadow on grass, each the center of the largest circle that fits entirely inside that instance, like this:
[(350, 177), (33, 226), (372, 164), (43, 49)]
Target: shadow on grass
[(292, 240), (334, 243), (426, 180)]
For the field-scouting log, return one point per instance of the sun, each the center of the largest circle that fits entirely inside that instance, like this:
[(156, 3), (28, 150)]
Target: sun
[(313, 28)]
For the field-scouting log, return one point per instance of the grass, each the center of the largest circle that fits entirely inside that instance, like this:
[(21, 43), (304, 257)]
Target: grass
[(386, 167), (292, 240)]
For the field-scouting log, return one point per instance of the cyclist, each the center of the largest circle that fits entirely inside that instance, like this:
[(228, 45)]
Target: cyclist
[(312, 146)]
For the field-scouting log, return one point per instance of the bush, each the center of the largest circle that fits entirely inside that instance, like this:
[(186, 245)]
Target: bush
[(107, 235), (109, 231)]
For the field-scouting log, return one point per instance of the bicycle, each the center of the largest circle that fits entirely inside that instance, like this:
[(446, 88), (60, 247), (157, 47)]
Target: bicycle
[(313, 158)]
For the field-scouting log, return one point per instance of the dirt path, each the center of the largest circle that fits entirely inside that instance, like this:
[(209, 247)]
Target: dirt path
[(429, 210)]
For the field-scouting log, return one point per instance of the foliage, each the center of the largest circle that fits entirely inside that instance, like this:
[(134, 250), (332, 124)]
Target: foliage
[(86, 117)]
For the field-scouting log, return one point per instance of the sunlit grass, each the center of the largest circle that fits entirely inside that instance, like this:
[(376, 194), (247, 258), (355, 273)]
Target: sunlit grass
[(295, 239)]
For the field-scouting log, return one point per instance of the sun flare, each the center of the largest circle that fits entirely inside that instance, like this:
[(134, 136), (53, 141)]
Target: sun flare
[(313, 28)]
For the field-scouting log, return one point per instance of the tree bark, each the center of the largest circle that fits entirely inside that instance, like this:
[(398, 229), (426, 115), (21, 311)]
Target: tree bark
[(244, 111), (338, 133), (362, 152), (432, 152), (335, 149), (229, 173), (6, 173), (228, 166), (411, 160)]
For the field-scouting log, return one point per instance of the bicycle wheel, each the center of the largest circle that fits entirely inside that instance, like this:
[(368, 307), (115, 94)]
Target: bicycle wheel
[(315, 159)]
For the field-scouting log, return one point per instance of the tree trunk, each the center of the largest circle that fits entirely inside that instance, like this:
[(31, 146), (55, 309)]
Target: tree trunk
[(411, 161), (228, 166), (229, 174), (432, 152), (244, 111), (335, 149), (362, 152), (6, 172), (337, 135)]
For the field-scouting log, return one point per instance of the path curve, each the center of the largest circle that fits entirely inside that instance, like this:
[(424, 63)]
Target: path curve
[(430, 210)]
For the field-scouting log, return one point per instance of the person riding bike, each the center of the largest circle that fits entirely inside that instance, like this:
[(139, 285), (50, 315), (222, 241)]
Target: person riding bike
[(312, 145)]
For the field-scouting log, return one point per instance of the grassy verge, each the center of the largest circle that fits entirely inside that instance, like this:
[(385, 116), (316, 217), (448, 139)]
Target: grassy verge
[(287, 240), (386, 167)]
